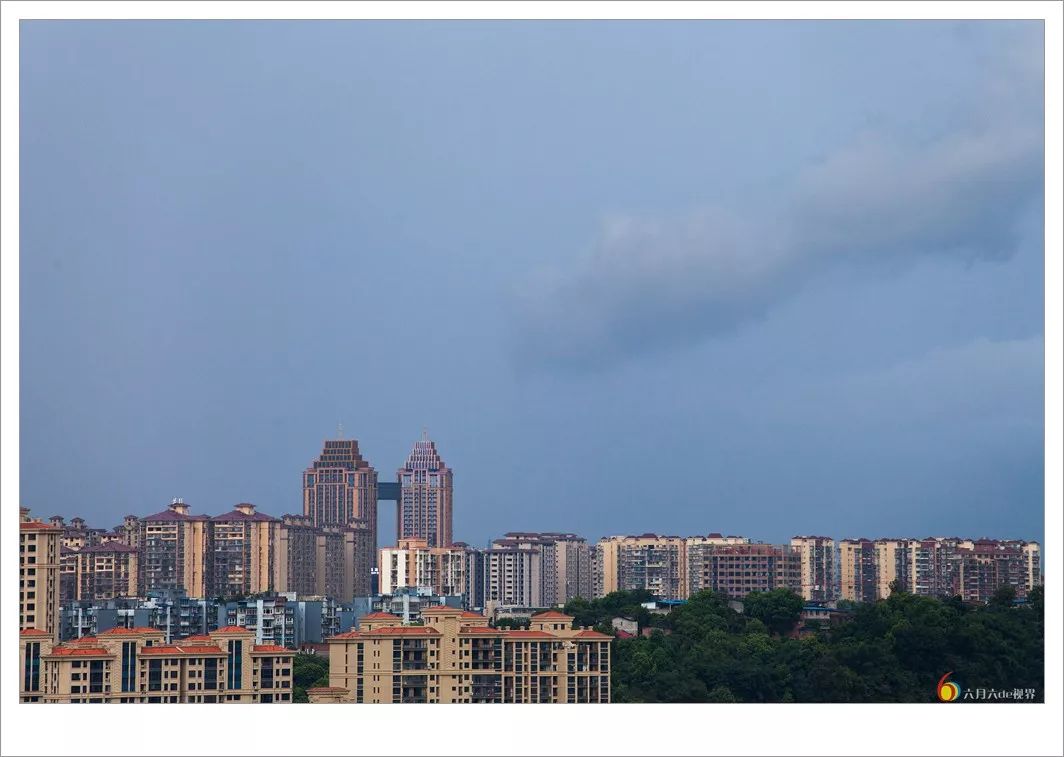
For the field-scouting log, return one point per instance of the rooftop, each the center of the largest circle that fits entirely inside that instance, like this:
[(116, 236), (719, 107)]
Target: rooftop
[(183, 649)]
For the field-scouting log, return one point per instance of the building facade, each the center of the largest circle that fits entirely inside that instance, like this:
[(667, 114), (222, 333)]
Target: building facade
[(415, 564), (243, 549), (340, 487), (38, 575), (457, 658), (426, 493), (737, 569), (512, 577), (858, 579), (174, 551), (655, 563), (106, 570), (819, 579), (135, 665)]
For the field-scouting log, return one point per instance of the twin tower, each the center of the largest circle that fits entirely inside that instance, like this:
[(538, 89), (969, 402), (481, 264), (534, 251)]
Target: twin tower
[(341, 488)]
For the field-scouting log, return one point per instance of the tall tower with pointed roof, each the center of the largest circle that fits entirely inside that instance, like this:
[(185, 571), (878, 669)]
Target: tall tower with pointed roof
[(427, 487)]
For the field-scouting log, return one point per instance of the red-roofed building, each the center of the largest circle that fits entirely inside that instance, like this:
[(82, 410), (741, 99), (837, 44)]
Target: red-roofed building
[(458, 658), (39, 581), (129, 665)]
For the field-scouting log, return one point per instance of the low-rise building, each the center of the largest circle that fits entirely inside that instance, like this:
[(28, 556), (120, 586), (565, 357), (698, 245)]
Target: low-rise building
[(136, 665), (457, 658)]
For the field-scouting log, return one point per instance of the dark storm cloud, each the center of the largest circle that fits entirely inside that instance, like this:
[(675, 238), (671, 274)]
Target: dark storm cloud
[(652, 284)]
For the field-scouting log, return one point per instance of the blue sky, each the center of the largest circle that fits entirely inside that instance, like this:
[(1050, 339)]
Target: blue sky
[(762, 278)]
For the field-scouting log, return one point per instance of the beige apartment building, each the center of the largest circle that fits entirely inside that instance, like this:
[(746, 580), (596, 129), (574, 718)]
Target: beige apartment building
[(655, 563), (972, 569), (457, 658), (174, 551), (858, 579), (818, 567), (134, 665), (413, 563), (38, 575), (243, 546), (106, 571)]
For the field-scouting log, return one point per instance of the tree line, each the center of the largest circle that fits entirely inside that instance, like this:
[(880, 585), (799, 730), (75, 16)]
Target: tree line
[(893, 650)]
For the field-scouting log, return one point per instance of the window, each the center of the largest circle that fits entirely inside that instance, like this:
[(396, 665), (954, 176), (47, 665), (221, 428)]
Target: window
[(235, 666), (155, 676), (32, 676), (129, 666)]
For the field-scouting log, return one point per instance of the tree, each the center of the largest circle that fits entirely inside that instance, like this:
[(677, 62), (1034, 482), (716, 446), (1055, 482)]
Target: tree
[(896, 587), (779, 609), (308, 671), (1004, 596)]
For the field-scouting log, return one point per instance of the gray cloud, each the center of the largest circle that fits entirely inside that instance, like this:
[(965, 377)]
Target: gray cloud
[(882, 202)]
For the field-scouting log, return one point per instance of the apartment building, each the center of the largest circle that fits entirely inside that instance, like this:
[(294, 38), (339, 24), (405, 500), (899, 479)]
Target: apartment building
[(38, 575), (737, 568), (512, 577), (106, 570), (174, 551), (414, 563), (972, 569), (243, 547), (474, 577), (457, 658), (819, 579), (655, 563), (858, 579), (893, 563), (565, 559), (135, 665)]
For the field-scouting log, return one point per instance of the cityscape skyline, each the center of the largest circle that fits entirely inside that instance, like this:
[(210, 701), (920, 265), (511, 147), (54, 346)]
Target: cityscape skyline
[(391, 538)]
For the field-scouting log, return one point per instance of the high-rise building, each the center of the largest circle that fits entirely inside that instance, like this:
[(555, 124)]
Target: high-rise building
[(414, 564), (106, 571), (655, 563), (38, 576), (456, 658), (512, 577), (174, 551), (329, 561), (819, 579), (892, 565), (565, 560), (972, 569), (572, 567), (243, 550), (426, 484), (858, 577), (1032, 552), (737, 568), (475, 581), (340, 487)]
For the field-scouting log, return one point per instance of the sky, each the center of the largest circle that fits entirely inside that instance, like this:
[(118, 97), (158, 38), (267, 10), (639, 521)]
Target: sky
[(758, 278)]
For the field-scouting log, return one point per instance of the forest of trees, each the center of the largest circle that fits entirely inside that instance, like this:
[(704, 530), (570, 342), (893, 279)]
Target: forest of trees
[(894, 650)]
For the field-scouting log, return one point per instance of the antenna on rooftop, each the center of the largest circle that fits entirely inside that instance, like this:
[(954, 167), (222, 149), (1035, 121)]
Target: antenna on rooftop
[(424, 433), (339, 430)]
